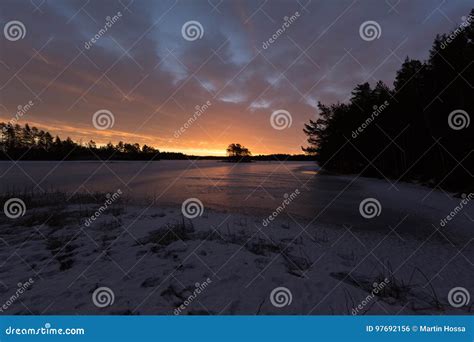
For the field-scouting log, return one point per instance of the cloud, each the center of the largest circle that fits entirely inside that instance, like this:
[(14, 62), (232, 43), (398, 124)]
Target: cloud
[(143, 71)]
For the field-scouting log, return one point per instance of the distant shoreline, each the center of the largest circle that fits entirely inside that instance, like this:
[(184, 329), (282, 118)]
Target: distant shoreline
[(162, 156)]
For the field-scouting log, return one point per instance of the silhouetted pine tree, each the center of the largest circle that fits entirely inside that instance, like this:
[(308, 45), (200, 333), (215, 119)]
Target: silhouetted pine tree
[(409, 138)]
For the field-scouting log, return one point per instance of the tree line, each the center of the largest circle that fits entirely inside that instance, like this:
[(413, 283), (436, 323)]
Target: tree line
[(418, 130), (30, 143)]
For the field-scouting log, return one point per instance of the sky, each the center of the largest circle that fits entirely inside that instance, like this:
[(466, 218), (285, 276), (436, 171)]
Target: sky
[(194, 76)]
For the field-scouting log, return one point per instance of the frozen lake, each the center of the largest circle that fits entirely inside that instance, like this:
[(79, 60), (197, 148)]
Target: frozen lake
[(249, 188)]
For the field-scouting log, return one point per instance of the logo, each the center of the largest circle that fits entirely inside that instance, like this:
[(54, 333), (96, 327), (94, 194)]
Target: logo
[(192, 30), (192, 208), (14, 208), (280, 297), (281, 119), (459, 297), (103, 119), (458, 119), (103, 296), (370, 30), (370, 208), (14, 30)]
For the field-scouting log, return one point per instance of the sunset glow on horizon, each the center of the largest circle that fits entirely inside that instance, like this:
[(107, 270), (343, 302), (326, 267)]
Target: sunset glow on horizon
[(101, 138)]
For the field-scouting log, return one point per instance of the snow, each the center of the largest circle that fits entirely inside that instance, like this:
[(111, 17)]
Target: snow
[(152, 257)]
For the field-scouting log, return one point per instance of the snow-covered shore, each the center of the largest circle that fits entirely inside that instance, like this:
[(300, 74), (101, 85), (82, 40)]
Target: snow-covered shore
[(153, 260)]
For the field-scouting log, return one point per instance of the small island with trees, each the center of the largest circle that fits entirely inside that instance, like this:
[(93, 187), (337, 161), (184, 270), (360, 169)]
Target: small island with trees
[(236, 153)]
